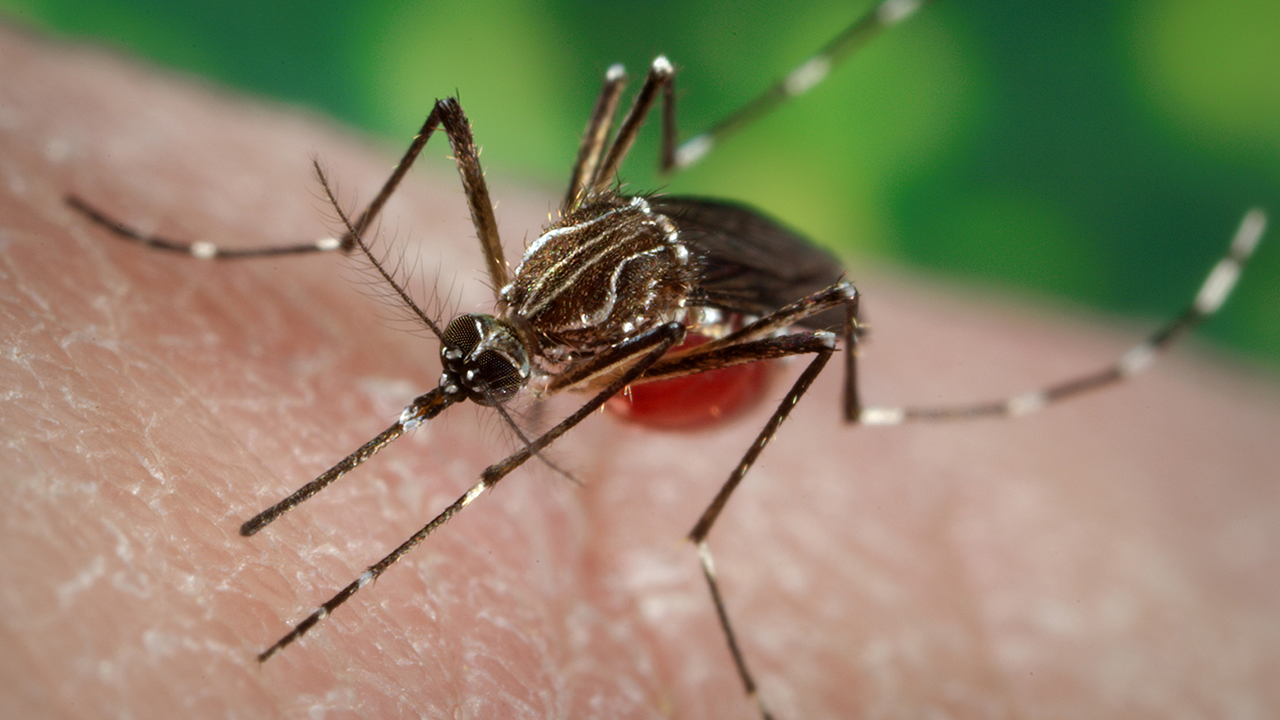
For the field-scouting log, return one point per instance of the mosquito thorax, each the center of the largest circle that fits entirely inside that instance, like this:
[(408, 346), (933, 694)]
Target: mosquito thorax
[(603, 273), (484, 357)]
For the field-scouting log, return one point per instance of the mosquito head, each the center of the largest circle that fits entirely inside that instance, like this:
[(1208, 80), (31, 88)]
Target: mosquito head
[(485, 358)]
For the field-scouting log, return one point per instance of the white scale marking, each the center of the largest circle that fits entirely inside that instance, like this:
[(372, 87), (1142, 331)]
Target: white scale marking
[(693, 150), (1139, 358), (1026, 403), (557, 232), (1217, 286), (1223, 277), (882, 416), (602, 313), (472, 494), (705, 553), (409, 418), (807, 75), (895, 11)]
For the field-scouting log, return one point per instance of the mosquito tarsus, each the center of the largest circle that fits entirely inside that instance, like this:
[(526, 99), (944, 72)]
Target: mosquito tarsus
[(604, 298)]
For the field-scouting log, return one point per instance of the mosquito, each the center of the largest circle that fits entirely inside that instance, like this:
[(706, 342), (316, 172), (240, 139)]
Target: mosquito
[(627, 292)]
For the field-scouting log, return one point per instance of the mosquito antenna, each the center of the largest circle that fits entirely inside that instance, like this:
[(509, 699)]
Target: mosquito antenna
[(358, 239), (515, 427)]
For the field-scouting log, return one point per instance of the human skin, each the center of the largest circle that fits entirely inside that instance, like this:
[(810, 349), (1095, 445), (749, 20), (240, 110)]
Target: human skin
[(1115, 556)]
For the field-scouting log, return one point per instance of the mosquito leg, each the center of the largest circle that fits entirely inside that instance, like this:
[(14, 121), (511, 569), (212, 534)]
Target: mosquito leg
[(205, 250), (1212, 294), (422, 409), (467, 156), (595, 136), (773, 348), (447, 113), (202, 250), (649, 347), (669, 131), (699, 533), (842, 293), (660, 74), (851, 331), (809, 73)]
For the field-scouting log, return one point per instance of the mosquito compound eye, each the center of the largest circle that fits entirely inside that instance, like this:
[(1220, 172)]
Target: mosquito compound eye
[(492, 372), (460, 338), (485, 356)]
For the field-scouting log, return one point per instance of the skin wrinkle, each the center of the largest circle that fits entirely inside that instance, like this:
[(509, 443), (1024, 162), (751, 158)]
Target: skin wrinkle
[(1111, 557)]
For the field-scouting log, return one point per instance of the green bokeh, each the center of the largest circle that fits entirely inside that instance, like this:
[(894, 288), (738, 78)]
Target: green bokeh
[(1097, 152)]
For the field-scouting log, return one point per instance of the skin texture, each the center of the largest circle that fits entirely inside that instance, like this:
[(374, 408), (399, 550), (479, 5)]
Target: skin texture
[(1115, 556)]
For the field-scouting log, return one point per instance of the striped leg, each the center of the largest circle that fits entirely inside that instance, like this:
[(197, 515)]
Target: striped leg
[(1212, 294), (809, 73), (596, 167), (199, 249), (700, 531), (448, 114), (596, 135)]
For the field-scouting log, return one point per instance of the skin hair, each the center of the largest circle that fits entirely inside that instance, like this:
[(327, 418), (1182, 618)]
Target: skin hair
[(1113, 557)]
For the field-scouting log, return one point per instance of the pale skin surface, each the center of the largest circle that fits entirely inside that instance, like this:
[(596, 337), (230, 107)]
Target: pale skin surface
[(1113, 557)]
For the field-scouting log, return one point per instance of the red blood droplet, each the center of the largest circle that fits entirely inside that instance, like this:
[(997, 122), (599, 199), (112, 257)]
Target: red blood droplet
[(694, 401)]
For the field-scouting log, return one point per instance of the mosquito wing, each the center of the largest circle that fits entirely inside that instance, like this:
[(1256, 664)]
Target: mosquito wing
[(751, 264)]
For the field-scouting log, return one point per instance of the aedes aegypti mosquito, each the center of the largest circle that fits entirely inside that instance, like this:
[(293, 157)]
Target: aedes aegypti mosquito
[(628, 291)]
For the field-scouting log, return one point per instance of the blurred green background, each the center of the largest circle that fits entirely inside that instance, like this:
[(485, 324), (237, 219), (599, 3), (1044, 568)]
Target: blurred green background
[(1097, 154)]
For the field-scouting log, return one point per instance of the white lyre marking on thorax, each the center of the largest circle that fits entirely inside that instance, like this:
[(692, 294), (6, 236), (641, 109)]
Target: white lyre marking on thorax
[(557, 232), (540, 295)]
